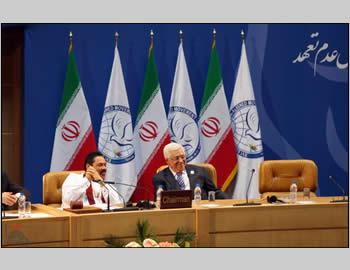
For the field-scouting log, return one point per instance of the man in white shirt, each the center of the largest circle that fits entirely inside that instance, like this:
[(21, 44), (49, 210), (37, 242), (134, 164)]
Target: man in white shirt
[(84, 187)]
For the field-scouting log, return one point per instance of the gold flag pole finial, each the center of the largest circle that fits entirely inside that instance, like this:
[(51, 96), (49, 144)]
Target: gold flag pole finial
[(181, 35), (242, 35), (116, 39)]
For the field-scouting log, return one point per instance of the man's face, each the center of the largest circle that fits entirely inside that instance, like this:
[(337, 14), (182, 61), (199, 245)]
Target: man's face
[(100, 165), (177, 160)]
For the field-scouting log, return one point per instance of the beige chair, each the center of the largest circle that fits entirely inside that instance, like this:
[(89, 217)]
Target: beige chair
[(210, 169), (276, 176), (52, 187)]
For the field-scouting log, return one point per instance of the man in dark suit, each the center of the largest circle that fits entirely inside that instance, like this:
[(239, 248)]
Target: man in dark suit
[(181, 176), (9, 189)]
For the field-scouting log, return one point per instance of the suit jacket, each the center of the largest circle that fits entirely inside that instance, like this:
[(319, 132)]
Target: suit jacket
[(196, 175), (7, 185)]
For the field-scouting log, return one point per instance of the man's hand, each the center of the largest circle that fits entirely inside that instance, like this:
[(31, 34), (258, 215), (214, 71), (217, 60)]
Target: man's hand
[(92, 174), (8, 198)]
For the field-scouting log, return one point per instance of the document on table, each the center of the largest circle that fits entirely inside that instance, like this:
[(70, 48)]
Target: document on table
[(32, 215), (103, 206)]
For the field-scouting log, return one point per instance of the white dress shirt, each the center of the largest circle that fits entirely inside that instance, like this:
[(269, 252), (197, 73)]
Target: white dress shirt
[(74, 189)]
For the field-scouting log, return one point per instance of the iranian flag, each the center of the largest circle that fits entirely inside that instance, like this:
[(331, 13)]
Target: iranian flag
[(151, 132), (216, 131), (74, 137)]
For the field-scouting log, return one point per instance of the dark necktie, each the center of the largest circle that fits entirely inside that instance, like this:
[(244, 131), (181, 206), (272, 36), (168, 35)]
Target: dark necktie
[(180, 180)]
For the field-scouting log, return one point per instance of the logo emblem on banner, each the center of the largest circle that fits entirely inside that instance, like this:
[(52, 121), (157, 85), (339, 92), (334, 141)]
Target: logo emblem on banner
[(116, 137), (183, 130), (210, 127), (148, 131), (70, 131), (246, 129)]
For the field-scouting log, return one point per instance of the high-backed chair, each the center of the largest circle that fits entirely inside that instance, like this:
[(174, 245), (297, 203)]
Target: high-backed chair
[(210, 169), (52, 187), (276, 176)]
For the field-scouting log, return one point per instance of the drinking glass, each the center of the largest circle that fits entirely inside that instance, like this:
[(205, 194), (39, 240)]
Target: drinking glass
[(28, 209), (306, 194), (211, 196)]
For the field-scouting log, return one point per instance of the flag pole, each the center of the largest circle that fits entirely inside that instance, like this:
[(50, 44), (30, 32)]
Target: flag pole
[(150, 48), (180, 36), (214, 37), (116, 39), (70, 41)]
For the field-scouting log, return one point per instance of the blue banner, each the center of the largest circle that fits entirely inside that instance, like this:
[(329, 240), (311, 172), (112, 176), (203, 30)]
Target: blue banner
[(299, 74)]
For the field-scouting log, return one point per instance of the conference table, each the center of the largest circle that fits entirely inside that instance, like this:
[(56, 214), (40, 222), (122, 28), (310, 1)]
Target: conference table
[(318, 223)]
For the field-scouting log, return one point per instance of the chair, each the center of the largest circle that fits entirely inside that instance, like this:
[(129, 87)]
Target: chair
[(52, 187), (276, 176), (210, 169)]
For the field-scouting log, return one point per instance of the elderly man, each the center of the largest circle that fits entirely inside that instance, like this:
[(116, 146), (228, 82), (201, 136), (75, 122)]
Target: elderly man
[(181, 176), (82, 187)]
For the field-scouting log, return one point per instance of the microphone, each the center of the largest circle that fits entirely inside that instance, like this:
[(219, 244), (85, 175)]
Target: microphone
[(140, 204), (125, 208), (248, 203), (108, 201), (106, 182), (342, 190)]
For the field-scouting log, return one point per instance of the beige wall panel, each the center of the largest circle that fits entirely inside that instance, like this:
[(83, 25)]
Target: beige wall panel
[(299, 238)]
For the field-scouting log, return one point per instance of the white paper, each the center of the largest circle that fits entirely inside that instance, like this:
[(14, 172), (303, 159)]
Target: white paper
[(210, 205), (103, 206), (32, 215), (305, 202)]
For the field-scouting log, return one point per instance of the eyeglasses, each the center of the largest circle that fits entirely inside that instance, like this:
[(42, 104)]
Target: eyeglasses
[(177, 158)]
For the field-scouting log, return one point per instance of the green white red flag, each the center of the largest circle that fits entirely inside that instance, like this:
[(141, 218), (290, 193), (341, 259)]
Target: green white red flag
[(151, 132), (74, 137), (216, 133)]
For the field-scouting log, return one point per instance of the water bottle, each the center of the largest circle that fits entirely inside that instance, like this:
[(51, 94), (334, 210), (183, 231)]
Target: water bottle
[(21, 205), (197, 194), (159, 191), (293, 192)]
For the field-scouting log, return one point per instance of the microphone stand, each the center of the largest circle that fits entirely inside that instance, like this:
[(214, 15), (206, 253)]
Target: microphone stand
[(248, 203), (3, 212), (146, 205), (108, 200), (125, 208), (342, 190), (3, 215)]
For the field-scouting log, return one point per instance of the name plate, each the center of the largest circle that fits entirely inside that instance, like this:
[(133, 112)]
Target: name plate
[(176, 199)]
